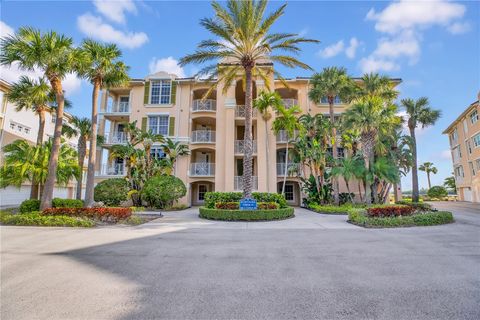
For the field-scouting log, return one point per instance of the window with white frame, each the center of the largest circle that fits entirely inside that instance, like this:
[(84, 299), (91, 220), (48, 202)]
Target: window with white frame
[(476, 140), (469, 147), (157, 153), (160, 91), (459, 172), (472, 168), (158, 124), (474, 117), (454, 137)]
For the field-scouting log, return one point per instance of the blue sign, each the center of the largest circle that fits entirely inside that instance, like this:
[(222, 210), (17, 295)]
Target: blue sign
[(248, 204)]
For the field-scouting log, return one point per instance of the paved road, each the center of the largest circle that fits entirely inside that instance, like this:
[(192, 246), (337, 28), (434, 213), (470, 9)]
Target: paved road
[(181, 267)]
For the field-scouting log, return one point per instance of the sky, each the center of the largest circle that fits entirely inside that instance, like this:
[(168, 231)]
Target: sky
[(433, 46)]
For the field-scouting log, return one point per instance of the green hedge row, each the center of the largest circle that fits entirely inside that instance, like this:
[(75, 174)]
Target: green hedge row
[(358, 217), (213, 197), (246, 215), (37, 219), (31, 205)]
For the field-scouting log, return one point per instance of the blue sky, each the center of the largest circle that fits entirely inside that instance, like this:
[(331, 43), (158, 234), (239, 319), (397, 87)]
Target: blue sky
[(433, 46)]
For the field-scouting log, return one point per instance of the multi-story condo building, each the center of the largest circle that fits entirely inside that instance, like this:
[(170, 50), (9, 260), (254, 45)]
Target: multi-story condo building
[(464, 136), (212, 127), (23, 125)]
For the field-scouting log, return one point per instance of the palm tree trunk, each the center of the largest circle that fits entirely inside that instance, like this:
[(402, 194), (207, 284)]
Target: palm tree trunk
[(92, 154), (415, 194), (348, 190), (360, 191), (34, 191), (46, 201), (336, 198), (267, 152), (428, 178), (247, 140), (367, 145), (286, 170), (82, 150)]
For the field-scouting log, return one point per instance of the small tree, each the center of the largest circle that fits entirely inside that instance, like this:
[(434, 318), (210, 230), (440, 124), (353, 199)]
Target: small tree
[(428, 168), (437, 192), (162, 191), (450, 184)]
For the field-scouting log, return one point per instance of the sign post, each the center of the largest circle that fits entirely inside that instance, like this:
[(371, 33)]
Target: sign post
[(248, 204)]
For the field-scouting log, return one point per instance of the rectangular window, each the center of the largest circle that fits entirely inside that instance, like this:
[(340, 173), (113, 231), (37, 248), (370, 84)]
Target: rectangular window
[(472, 168), (474, 117), (478, 164), (453, 137), (157, 153), (158, 124), (289, 194), (160, 92), (340, 153), (330, 152), (469, 147), (202, 189), (476, 141)]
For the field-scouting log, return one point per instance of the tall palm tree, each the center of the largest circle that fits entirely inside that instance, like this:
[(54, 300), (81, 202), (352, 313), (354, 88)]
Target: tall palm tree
[(244, 46), (371, 116), (419, 112), (349, 168), (263, 103), (54, 55), (101, 67), (288, 122), (428, 168), (332, 82)]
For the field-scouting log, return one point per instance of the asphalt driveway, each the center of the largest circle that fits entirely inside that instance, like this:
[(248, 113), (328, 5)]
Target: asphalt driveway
[(182, 267)]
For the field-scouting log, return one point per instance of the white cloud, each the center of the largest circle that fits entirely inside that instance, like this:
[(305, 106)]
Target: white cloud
[(95, 28), (332, 50), (459, 27), (115, 10), (169, 65), (5, 29), (446, 155), (375, 64), (303, 32), (351, 50), (405, 44)]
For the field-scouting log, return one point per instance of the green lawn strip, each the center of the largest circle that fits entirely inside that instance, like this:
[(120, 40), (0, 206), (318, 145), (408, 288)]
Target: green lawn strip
[(246, 215), (358, 217), (37, 219)]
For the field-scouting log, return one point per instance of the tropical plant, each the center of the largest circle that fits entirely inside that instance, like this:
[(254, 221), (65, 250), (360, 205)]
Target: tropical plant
[(332, 82), (437, 192), (163, 191), (373, 84), (112, 191), (173, 150), (243, 43), (349, 168), (419, 113), (450, 184), (100, 65), (428, 168), (288, 122)]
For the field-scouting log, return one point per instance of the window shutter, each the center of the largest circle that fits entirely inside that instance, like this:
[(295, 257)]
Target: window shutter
[(144, 123), (173, 96), (146, 96), (171, 127)]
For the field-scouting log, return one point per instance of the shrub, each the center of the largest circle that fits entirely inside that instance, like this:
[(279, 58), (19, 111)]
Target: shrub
[(359, 217), (246, 215), (37, 219), (213, 197), (66, 203), (29, 205), (437, 192), (111, 191), (390, 211), (100, 214), (268, 206), (345, 197), (236, 205), (330, 209), (163, 191), (418, 206)]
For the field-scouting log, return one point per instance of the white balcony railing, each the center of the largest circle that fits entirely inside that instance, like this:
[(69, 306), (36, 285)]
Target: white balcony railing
[(115, 138), (202, 169), (288, 103), (292, 168), (282, 136), (204, 105), (240, 146), (118, 107), (239, 182), (240, 111), (116, 169), (203, 136)]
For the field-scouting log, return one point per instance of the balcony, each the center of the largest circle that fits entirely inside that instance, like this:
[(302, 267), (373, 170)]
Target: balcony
[(117, 169), (288, 103), (202, 105), (202, 169), (118, 107), (282, 136), (116, 138), (240, 111), (238, 185), (203, 136), (292, 168), (240, 146)]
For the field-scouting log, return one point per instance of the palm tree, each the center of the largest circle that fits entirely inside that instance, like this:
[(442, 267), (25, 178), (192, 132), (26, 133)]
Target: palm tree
[(349, 168), (419, 113), (244, 46), (449, 183), (331, 83), (428, 168), (100, 66), (288, 122), (372, 117), (373, 84), (174, 150), (54, 55), (128, 153), (263, 103)]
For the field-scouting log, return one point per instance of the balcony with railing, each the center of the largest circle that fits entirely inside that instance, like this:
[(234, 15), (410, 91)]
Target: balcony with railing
[(203, 136), (118, 107), (116, 169), (115, 138), (282, 136), (292, 169), (238, 182), (240, 111), (204, 105), (202, 169), (240, 146)]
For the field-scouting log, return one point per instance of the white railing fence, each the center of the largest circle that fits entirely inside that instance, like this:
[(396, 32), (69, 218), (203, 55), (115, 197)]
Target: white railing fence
[(204, 105), (240, 146), (203, 136), (116, 169), (240, 111), (292, 169), (116, 137), (202, 169)]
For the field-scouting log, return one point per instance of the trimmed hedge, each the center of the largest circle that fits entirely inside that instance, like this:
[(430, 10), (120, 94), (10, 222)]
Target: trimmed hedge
[(236, 205), (358, 217), (111, 191), (330, 209), (29, 205), (211, 198), (246, 215), (390, 211), (37, 219), (100, 214), (66, 203)]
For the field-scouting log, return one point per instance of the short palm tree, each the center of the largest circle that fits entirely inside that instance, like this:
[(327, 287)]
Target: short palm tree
[(349, 168), (288, 122), (420, 113), (371, 116), (244, 46), (100, 65), (55, 56), (126, 152), (331, 83), (428, 168), (175, 149), (147, 139), (263, 103)]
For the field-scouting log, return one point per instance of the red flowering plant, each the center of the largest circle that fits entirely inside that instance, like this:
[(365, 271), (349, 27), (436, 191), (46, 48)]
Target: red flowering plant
[(390, 211), (101, 214)]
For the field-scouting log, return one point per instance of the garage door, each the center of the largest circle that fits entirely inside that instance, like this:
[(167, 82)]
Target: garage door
[(12, 196), (60, 193), (467, 194)]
